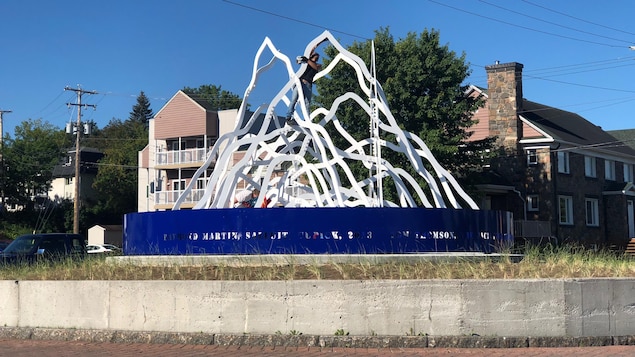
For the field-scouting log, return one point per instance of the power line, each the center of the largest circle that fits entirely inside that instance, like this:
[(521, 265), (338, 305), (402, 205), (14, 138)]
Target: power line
[(48, 105), (527, 75), (604, 88), (586, 64), (523, 27), (569, 66), (581, 85), (553, 23), (116, 94), (79, 91), (564, 72), (296, 20), (609, 105), (554, 71), (577, 18)]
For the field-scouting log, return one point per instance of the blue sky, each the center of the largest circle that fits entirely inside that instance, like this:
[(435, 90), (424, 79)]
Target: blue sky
[(576, 54)]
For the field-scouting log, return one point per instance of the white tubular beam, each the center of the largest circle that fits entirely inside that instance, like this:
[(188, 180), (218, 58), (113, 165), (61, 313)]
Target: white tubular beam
[(300, 166)]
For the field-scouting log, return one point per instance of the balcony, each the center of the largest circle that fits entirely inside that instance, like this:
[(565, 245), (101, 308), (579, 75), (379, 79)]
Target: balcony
[(166, 199), (181, 158)]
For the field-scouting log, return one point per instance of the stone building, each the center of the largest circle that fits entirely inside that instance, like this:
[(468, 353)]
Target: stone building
[(564, 178)]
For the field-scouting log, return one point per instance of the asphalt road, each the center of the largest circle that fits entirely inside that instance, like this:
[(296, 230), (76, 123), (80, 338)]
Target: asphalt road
[(24, 348)]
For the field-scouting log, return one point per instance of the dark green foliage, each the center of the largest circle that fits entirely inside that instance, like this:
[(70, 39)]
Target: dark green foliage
[(218, 98), (141, 111), (116, 181), (29, 159)]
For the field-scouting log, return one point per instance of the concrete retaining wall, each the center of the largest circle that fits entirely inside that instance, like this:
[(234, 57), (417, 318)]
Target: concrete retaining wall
[(571, 307)]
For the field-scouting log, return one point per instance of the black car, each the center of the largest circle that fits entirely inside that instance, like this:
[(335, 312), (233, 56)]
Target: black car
[(44, 246)]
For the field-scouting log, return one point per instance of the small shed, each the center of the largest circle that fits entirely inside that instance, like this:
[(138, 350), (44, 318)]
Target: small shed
[(106, 234)]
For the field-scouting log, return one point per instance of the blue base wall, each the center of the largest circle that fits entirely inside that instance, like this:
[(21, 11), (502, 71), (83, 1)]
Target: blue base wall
[(315, 231)]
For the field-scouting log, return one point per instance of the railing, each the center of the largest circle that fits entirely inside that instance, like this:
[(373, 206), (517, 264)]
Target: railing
[(169, 197), (186, 156), (534, 231)]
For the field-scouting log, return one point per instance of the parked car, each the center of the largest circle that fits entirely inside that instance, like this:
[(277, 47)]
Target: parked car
[(44, 246), (112, 247), (3, 245), (102, 248)]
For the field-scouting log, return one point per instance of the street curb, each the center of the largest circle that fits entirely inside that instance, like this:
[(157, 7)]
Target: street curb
[(291, 340)]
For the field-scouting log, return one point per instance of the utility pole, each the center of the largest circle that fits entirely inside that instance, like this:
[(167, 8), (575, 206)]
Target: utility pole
[(78, 131), (4, 174)]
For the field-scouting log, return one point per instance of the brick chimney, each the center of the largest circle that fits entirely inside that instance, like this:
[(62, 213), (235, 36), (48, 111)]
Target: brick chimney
[(505, 99)]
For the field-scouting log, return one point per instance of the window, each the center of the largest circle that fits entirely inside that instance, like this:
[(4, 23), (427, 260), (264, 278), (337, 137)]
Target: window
[(565, 209), (200, 184), (532, 157), (628, 172), (178, 145), (52, 246), (178, 185), (532, 203), (563, 162), (609, 170), (590, 168), (592, 215), (77, 245)]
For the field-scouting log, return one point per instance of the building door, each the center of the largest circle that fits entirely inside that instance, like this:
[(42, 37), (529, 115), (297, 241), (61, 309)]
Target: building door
[(631, 219)]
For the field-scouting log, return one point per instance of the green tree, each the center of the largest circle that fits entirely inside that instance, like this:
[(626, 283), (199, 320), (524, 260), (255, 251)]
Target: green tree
[(218, 98), (116, 181), (424, 86), (29, 159), (141, 111)]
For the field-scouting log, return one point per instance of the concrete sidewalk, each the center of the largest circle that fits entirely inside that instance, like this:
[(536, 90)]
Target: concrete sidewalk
[(28, 348)]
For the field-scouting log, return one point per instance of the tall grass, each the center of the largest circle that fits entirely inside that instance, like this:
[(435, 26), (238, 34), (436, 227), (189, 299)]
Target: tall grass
[(547, 262)]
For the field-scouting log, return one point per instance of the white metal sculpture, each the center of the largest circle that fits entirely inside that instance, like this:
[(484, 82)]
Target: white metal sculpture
[(308, 157)]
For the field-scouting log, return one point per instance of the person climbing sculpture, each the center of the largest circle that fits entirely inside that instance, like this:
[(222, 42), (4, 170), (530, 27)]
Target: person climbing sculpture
[(306, 80)]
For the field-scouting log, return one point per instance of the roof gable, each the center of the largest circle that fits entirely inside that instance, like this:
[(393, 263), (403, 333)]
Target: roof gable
[(568, 127), (200, 102), (476, 91), (182, 116)]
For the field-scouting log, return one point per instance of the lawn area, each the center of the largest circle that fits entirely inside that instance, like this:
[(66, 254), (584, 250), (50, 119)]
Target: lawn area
[(550, 262)]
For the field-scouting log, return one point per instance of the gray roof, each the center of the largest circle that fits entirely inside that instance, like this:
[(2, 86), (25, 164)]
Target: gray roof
[(203, 102), (569, 127), (626, 136)]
